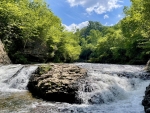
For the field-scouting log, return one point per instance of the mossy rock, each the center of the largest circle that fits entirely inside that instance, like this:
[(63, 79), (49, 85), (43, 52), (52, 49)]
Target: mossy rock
[(42, 69), (57, 82)]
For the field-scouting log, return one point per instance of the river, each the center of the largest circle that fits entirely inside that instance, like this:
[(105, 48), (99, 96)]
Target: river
[(108, 88)]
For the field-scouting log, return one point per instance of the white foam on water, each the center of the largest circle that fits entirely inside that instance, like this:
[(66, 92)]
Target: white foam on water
[(126, 100), (15, 77), (102, 91), (108, 93), (103, 88)]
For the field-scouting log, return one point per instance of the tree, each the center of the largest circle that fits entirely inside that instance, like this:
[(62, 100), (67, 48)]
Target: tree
[(31, 32), (135, 28)]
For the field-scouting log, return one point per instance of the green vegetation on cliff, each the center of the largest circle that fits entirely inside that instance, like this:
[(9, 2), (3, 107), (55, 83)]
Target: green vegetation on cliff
[(32, 33)]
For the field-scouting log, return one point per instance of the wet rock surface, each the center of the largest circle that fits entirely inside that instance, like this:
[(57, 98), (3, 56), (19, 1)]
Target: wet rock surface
[(58, 83), (146, 100)]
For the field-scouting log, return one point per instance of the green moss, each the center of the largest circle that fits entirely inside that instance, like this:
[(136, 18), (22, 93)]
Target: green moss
[(44, 69)]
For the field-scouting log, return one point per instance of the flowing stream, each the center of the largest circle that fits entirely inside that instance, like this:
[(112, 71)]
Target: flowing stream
[(107, 89)]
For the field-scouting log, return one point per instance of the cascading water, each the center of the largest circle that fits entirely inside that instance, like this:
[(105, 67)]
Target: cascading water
[(15, 77), (107, 89), (104, 85), (13, 91)]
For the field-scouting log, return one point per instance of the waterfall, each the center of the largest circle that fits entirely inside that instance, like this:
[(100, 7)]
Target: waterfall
[(103, 85), (108, 88), (103, 88), (112, 89), (15, 77)]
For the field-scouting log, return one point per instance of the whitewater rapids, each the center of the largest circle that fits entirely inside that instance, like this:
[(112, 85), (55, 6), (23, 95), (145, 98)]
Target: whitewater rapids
[(108, 88)]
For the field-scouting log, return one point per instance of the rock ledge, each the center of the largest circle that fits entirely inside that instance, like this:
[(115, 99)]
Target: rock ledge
[(146, 100), (59, 83)]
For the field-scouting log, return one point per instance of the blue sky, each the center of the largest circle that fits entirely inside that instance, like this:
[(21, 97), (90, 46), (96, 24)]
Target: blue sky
[(78, 12)]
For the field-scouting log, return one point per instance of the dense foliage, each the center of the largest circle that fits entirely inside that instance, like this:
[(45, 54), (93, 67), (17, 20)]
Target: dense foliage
[(105, 44), (32, 33), (136, 29), (126, 42)]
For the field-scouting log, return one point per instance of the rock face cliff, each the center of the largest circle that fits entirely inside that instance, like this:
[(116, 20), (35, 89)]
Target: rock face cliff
[(147, 68), (4, 59), (60, 83), (146, 100)]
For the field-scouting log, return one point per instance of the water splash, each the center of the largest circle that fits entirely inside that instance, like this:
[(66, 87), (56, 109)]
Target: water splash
[(15, 77), (104, 88), (103, 91)]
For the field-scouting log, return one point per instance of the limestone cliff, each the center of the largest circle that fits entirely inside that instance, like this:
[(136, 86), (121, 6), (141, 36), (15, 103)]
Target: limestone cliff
[(4, 59), (147, 68)]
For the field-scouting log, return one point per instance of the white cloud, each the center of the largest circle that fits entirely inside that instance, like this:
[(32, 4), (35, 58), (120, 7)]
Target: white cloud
[(106, 24), (97, 6), (73, 27), (120, 16), (106, 16)]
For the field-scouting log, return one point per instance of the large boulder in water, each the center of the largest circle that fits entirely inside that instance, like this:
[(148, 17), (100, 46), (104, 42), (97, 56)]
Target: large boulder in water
[(4, 59), (59, 83), (146, 100)]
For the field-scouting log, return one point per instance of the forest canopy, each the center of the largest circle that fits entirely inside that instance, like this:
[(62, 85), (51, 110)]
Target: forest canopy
[(32, 33)]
